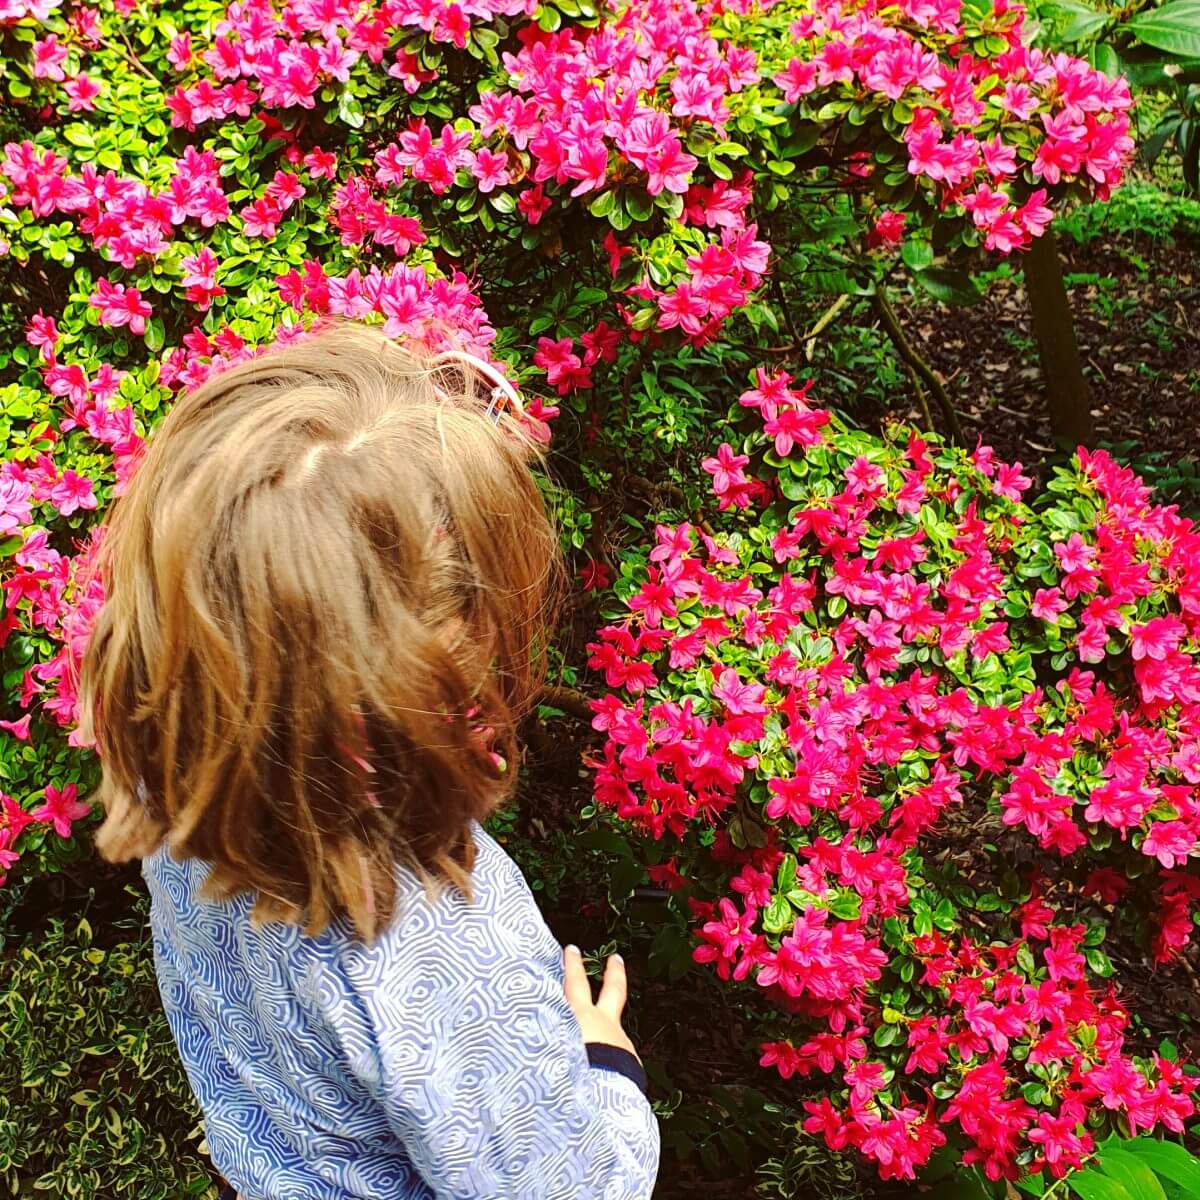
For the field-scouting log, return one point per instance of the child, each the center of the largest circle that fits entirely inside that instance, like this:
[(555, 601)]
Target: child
[(327, 589)]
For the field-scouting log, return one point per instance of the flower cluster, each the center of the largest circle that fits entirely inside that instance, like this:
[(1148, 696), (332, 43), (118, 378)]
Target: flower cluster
[(982, 121), (567, 197), (886, 651)]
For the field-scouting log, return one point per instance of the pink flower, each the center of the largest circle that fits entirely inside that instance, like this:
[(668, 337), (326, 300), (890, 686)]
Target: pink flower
[(1048, 604), (8, 856), (669, 168), (888, 229), (729, 479), (1156, 638), (564, 368), (81, 93), (797, 79), (533, 204), (49, 54), (739, 699), (19, 729), (42, 331), (62, 809), (490, 170), (199, 277), (119, 305), (999, 158), (784, 1057), (1171, 842), (179, 53), (321, 164), (72, 492)]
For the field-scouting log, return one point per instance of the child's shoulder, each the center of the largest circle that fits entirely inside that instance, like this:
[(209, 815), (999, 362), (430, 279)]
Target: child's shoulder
[(500, 911), (499, 918)]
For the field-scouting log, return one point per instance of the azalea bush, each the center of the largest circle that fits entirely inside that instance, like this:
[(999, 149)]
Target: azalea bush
[(578, 191), (906, 745)]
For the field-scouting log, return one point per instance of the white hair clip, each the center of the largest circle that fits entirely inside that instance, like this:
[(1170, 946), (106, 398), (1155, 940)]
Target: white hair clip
[(502, 392)]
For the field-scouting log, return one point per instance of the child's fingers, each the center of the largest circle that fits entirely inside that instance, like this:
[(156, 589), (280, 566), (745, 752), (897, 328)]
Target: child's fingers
[(614, 989), (575, 981)]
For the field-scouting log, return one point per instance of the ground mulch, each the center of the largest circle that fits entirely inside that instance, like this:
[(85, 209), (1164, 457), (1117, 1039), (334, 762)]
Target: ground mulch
[(1138, 324)]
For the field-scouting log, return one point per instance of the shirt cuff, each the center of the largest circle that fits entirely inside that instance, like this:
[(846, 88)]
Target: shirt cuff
[(612, 1058)]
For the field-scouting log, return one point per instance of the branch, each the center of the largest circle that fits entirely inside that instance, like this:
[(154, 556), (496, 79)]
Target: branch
[(912, 359), (806, 342), (823, 323), (128, 55), (915, 381), (570, 700)]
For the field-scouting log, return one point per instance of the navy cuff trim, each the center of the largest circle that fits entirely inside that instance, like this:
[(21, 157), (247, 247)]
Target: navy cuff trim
[(612, 1058)]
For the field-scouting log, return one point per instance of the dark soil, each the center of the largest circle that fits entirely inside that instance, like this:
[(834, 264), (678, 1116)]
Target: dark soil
[(1135, 306)]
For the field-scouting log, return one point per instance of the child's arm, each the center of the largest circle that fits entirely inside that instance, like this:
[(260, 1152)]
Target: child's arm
[(457, 1022), (482, 1071)]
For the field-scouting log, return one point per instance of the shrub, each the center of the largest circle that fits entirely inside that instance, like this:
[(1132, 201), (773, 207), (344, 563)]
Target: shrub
[(576, 192), (93, 1101), (839, 718)]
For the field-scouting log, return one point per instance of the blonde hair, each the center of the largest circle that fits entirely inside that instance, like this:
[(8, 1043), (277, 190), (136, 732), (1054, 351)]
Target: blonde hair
[(331, 568)]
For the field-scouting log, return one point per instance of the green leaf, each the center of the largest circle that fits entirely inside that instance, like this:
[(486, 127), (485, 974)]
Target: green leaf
[(607, 841), (638, 204), (350, 110), (155, 335), (950, 287), (1174, 27), (10, 545), (787, 873), (602, 205), (1106, 59), (79, 135), (957, 1189), (917, 255), (1091, 1185), (778, 915), (846, 906), (1084, 19), (1132, 1174), (885, 1035), (1169, 1161), (619, 218)]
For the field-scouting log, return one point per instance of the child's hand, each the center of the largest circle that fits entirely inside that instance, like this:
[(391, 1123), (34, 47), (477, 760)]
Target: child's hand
[(601, 1021)]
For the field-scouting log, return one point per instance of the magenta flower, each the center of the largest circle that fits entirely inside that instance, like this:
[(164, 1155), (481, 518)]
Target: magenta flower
[(49, 54), (490, 170), (72, 492), (119, 305), (62, 809), (81, 92)]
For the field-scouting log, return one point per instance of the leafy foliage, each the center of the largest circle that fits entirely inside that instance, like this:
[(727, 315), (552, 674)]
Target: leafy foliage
[(1156, 44), (93, 1101), (883, 667)]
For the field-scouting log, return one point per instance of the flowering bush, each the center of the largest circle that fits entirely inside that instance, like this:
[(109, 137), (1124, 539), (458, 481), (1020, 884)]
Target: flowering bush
[(831, 717), (566, 189)]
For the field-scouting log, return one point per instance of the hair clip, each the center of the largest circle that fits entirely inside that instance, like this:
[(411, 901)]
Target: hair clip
[(502, 391)]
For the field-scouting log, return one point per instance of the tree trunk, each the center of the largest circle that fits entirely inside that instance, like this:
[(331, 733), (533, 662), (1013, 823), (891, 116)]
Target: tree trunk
[(1054, 327)]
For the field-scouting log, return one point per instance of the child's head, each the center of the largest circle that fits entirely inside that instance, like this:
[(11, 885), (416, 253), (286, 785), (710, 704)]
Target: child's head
[(332, 567)]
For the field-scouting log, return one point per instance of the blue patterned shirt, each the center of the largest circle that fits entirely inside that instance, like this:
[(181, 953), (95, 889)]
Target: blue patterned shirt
[(440, 1061)]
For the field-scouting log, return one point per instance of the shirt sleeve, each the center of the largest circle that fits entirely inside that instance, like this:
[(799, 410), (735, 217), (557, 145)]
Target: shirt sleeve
[(481, 1068)]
